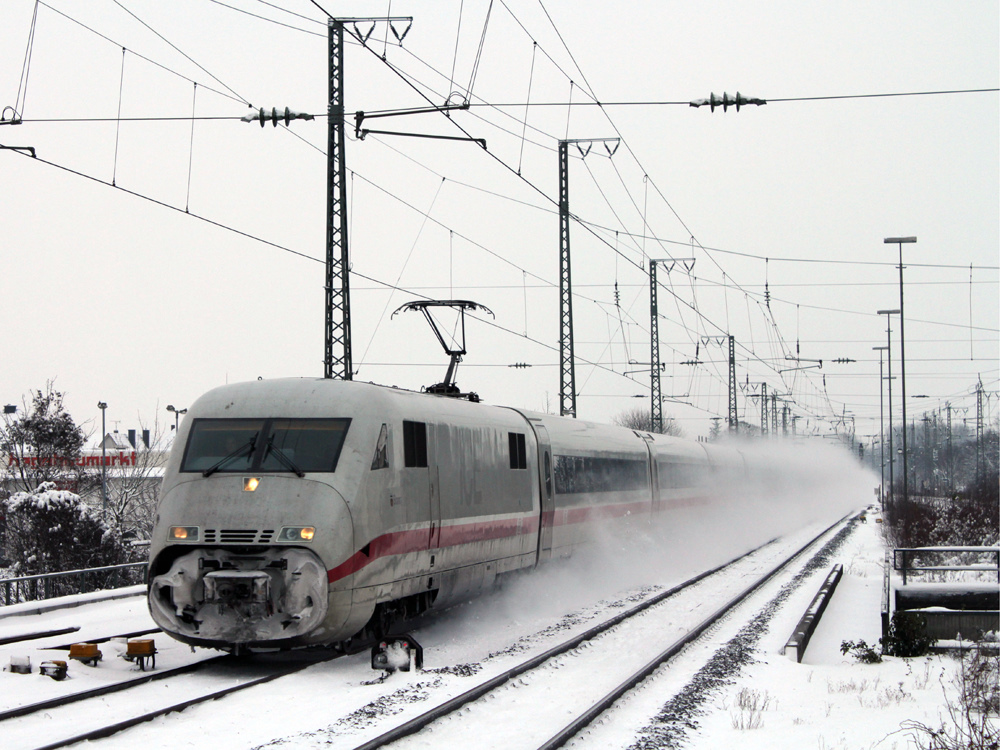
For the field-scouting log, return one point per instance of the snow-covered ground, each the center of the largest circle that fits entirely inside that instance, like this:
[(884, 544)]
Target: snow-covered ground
[(829, 701)]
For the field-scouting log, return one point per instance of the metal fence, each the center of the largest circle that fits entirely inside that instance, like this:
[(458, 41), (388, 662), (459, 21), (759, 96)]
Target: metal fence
[(954, 610), (66, 583), (987, 559)]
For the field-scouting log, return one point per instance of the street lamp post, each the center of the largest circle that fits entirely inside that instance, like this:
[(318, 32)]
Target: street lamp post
[(881, 425), (892, 454), (902, 346), (177, 414), (103, 406)]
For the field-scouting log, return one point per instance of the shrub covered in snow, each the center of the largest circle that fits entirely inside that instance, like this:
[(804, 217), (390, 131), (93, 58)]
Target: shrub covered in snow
[(969, 518), (971, 721), (42, 444), (49, 530), (907, 637)]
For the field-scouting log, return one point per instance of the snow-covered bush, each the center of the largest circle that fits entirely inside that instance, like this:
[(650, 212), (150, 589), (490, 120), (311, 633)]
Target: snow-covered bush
[(907, 637), (49, 530), (861, 651), (971, 720), (971, 517)]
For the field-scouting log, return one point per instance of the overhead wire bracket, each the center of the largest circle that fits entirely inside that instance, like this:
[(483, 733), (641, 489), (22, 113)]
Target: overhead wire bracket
[(817, 366), (360, 117), (30, 150)]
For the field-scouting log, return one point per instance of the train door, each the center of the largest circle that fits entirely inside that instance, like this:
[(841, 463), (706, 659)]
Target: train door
[(434, 536), (547, 491), (421, 480)]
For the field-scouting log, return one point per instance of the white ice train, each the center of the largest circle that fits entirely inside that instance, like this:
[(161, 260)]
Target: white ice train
[(305, 511)]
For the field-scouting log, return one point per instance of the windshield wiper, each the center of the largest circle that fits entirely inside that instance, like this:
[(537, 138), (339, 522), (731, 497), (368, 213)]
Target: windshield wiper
[(244, 450), (288, 463)]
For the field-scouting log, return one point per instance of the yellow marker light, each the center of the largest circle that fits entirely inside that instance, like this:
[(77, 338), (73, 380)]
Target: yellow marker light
[(183, 534), (296, 533), (250, 483)]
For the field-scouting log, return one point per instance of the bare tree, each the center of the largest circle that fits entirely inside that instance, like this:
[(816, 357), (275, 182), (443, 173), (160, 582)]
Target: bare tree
[(134, 484), (640, 419)]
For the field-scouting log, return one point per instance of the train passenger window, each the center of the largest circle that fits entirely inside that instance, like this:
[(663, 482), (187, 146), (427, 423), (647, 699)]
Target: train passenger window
[(381, 458), (414, 444), (518, 454), (585, 474)]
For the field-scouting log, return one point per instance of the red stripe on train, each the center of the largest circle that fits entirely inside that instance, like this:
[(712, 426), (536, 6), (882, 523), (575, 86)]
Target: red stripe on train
[(415, 540)]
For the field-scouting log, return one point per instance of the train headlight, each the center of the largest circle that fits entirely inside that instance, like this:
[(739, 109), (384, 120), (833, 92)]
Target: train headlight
[(296, 534), (182, 534), (250, 483)]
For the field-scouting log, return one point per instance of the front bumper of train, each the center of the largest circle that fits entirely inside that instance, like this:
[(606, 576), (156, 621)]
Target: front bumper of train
[(225, 598)]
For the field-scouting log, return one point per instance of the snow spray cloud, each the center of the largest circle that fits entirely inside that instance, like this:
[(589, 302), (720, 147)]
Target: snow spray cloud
[(790, 485)]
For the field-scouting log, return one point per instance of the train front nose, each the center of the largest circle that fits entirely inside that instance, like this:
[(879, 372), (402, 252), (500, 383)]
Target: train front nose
[(252, 570)]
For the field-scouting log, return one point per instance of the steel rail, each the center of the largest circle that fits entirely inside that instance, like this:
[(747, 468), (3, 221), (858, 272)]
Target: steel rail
[(419, 722), (110, 729), (65, 700), (35, 636), (584, 719)]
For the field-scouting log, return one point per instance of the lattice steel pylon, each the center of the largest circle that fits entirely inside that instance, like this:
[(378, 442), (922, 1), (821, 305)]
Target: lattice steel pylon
[(734, 419), (567, 362), (567, 367), (655, 366), (337, 357), (656, 399), (979, 429), (763, 409)]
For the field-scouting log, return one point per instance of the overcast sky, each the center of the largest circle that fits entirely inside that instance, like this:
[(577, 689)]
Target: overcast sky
[(189, 271)]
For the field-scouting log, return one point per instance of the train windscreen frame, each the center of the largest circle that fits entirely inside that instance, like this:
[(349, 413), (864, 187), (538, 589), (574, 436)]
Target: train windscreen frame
[(273, 445)]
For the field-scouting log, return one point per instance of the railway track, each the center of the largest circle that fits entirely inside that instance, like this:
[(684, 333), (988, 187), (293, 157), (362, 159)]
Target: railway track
[(37, 635), (561, 669), (23, 726)]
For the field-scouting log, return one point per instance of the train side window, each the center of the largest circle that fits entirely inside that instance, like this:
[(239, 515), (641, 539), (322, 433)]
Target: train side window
[(414, 444), (518, 453), (381, 458)]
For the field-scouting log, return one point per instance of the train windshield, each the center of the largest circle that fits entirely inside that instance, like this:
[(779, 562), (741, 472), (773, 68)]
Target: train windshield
[(303, 444), (271, 445)]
